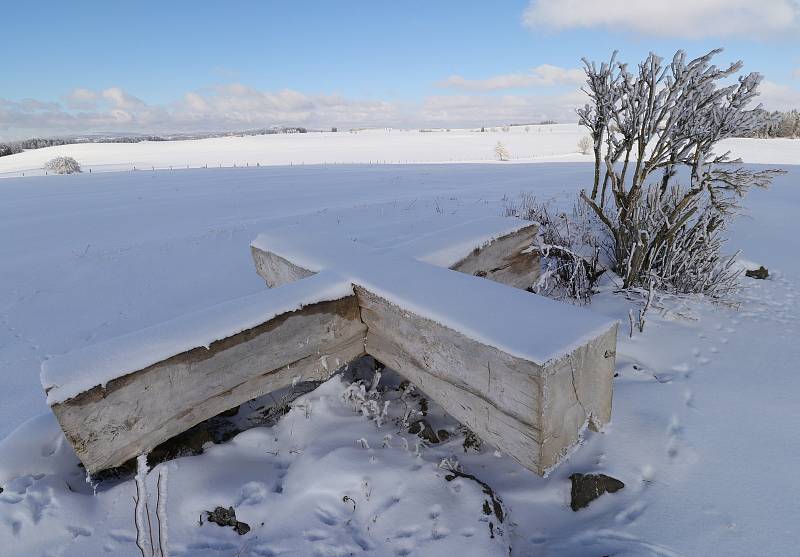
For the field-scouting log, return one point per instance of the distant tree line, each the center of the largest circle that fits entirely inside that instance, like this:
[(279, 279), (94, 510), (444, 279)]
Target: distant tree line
[(13, 147), (779, 124)]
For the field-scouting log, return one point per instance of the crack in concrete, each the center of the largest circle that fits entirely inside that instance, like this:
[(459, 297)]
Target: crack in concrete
[(575, 387)]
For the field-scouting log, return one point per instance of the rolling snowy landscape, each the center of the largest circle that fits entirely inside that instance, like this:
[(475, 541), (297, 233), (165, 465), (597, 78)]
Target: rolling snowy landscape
[(525, 144), (414, 279), (703, 424)]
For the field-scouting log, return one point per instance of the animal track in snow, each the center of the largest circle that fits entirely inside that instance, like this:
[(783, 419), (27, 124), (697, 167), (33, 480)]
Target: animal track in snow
[(439, 533), (688, 399), (315, 535), (78, 531), (407, 532), (36, 500), (326, 515)]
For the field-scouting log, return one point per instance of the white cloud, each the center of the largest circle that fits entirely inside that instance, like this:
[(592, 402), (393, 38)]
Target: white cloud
[(121, 99), (81, 98), (674, 18), (775, 96), (226, 107), (490, 110), (544, 75), (239, 106), (796, 73), (236, 106)]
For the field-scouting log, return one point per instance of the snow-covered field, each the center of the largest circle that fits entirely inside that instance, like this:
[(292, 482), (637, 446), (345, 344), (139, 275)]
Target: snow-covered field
[(534, 143), (703, 432)]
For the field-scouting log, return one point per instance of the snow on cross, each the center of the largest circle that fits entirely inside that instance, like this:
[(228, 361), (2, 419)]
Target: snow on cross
[(525, 373)]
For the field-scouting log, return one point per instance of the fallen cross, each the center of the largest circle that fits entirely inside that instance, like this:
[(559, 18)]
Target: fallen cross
[(525, 373)]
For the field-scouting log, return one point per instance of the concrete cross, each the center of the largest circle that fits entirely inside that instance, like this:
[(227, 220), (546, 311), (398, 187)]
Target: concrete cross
[(525, 373)]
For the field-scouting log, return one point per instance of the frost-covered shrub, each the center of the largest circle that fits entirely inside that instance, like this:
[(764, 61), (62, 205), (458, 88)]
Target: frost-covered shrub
[(62, 165), (367, 401), (661, 188), (569, 246)]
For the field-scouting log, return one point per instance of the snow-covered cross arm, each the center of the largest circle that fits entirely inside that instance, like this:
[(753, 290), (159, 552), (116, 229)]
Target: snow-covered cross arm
[(525, 373)]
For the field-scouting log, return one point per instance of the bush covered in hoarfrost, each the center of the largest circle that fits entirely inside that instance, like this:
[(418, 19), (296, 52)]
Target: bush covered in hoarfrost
[(662, 190), (62, 165), (501, 152)]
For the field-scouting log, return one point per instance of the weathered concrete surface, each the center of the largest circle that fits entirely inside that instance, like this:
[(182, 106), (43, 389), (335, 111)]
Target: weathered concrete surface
[(579, 392), (507, 260), (533, 412), (276, 270), (134, 413)]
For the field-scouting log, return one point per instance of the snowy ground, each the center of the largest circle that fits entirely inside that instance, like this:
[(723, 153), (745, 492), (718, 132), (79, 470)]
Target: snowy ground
[(534, 143), (704, 424)]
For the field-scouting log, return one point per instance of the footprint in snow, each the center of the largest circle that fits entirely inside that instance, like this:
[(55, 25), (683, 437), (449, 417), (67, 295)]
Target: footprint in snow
[(78, 531), (407, 532), (405, 547), (315, 535), (683, 369), (326, 515), (672, 448), (439, 533)]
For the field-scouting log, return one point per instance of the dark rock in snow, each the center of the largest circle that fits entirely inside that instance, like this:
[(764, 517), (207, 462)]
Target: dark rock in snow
[(227, 517), (760, 273), (423, 429), (491, 506), (241, 528), (588, 487)]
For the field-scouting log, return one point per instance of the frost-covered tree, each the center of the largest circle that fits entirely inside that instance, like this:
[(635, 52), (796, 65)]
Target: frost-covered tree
[(501, 152), (62, 165), (585, 145), (780, 124), (660, 187), (789, 124)]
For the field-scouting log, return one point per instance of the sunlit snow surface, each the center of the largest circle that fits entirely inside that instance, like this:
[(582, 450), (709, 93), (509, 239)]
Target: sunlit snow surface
[(703, 430)]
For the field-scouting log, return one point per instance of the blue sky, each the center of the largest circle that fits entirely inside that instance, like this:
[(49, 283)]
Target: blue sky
[(177, 65)]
